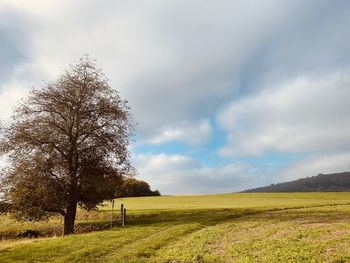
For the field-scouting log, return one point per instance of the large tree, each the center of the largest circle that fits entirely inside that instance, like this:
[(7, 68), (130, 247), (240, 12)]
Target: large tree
[(66, 145)]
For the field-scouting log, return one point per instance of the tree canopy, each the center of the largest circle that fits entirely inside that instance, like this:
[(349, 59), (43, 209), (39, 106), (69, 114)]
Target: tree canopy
[(66, 145), (132, 187)]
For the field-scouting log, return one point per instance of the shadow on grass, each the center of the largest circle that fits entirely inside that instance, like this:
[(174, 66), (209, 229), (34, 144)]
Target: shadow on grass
[(215, 216), (205, 217)]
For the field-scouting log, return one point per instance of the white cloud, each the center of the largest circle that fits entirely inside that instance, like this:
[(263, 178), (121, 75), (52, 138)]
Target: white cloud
[(14, 90), (331, 163), (190, 133), (304, 115), (181, 62), (9, 98), (179, 174), (172, 60)]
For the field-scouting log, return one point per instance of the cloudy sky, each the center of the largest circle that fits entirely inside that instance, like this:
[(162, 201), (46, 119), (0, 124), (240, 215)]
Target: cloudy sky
[(229, 94)]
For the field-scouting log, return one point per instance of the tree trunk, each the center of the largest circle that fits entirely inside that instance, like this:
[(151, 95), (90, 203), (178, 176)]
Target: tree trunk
[(69, 219)]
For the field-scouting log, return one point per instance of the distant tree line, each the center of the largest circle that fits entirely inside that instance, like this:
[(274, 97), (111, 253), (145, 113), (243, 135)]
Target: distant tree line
[(132, 187), (336, 182)]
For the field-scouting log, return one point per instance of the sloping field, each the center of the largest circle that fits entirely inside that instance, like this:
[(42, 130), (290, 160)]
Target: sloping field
[(274, 227)]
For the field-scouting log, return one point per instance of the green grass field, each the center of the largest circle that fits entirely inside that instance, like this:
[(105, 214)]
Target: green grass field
[(296, 227)]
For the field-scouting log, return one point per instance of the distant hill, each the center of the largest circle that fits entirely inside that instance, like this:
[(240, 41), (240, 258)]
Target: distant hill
[(336, 182)]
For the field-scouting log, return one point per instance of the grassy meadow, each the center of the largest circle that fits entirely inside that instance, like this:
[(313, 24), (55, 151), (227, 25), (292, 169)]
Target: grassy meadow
[(264, 227)]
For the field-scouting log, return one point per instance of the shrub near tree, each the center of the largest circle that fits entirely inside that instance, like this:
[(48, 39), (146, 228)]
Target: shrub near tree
[(67, 146), (132, 187)]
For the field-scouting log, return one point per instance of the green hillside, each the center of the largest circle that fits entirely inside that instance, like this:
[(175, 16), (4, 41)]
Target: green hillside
[(264, 227)]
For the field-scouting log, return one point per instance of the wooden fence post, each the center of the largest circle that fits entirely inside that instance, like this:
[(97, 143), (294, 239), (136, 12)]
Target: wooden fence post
[(62, 224), (124, 217), (112, 213), (121, 213)]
